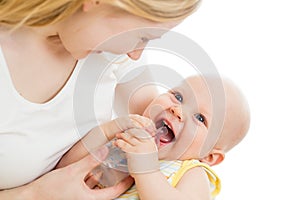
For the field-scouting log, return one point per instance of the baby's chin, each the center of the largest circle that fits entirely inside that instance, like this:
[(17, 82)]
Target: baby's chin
[(173, 151), (167, 152)]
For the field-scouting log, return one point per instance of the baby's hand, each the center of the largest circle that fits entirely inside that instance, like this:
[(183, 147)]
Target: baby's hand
[(121, 124), (141, 150), (143, 122), (136, 140)]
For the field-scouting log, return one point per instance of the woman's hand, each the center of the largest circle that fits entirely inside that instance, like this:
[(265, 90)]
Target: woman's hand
[(68, 183)]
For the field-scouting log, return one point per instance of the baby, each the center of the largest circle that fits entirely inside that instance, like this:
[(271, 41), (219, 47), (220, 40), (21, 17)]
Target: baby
[(187, 149)]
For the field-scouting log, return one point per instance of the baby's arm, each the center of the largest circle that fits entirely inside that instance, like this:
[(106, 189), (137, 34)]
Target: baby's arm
[(193, 185), (100, 135), (153, 185)]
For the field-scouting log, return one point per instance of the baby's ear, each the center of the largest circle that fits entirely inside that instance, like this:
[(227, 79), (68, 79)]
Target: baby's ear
[(215, 157)]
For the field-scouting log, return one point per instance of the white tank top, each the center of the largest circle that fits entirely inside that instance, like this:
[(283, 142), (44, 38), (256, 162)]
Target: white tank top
[(33, 137)]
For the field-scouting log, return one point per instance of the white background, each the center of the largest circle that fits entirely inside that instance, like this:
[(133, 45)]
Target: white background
[(257, 44)]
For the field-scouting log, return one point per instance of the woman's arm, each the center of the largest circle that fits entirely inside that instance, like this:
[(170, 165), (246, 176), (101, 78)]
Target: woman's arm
[(20, 193), (66, 183)]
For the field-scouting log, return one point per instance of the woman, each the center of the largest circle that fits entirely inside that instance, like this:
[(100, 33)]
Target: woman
[(42, 43)]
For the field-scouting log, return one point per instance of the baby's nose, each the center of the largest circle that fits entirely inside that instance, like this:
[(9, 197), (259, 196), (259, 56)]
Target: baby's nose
[(177, 111)]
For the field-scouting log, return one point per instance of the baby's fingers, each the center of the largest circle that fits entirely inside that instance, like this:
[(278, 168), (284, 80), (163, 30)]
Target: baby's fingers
[(128, 138), (125, 146), (140, 134)]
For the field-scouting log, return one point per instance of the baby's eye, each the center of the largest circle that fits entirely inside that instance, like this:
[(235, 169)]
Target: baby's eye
[(178, 96), (200, 117)]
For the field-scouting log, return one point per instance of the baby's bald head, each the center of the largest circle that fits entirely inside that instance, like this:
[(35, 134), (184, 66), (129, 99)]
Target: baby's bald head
[(235, 124), (237, 117)]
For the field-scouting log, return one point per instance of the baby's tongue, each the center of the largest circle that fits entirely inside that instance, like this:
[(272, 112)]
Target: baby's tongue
[(166, 138)]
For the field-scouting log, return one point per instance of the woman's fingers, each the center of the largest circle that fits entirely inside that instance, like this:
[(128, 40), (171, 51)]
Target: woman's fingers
[(93, 178), (114, 191)]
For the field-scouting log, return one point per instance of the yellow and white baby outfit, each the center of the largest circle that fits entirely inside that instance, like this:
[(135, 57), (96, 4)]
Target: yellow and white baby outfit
[(174, 171)]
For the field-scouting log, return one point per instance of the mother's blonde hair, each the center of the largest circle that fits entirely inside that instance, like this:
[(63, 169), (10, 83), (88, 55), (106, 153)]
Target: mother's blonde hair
[(17, 13)]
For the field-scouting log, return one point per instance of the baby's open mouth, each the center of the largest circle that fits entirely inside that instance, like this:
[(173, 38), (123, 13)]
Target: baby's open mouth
[(169, 136)]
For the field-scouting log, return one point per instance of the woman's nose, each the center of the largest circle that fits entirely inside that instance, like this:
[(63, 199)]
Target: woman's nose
[(177, 111), (135, 54)]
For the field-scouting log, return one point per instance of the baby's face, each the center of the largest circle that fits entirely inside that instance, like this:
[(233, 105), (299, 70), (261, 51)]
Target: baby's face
[(186, 111)]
